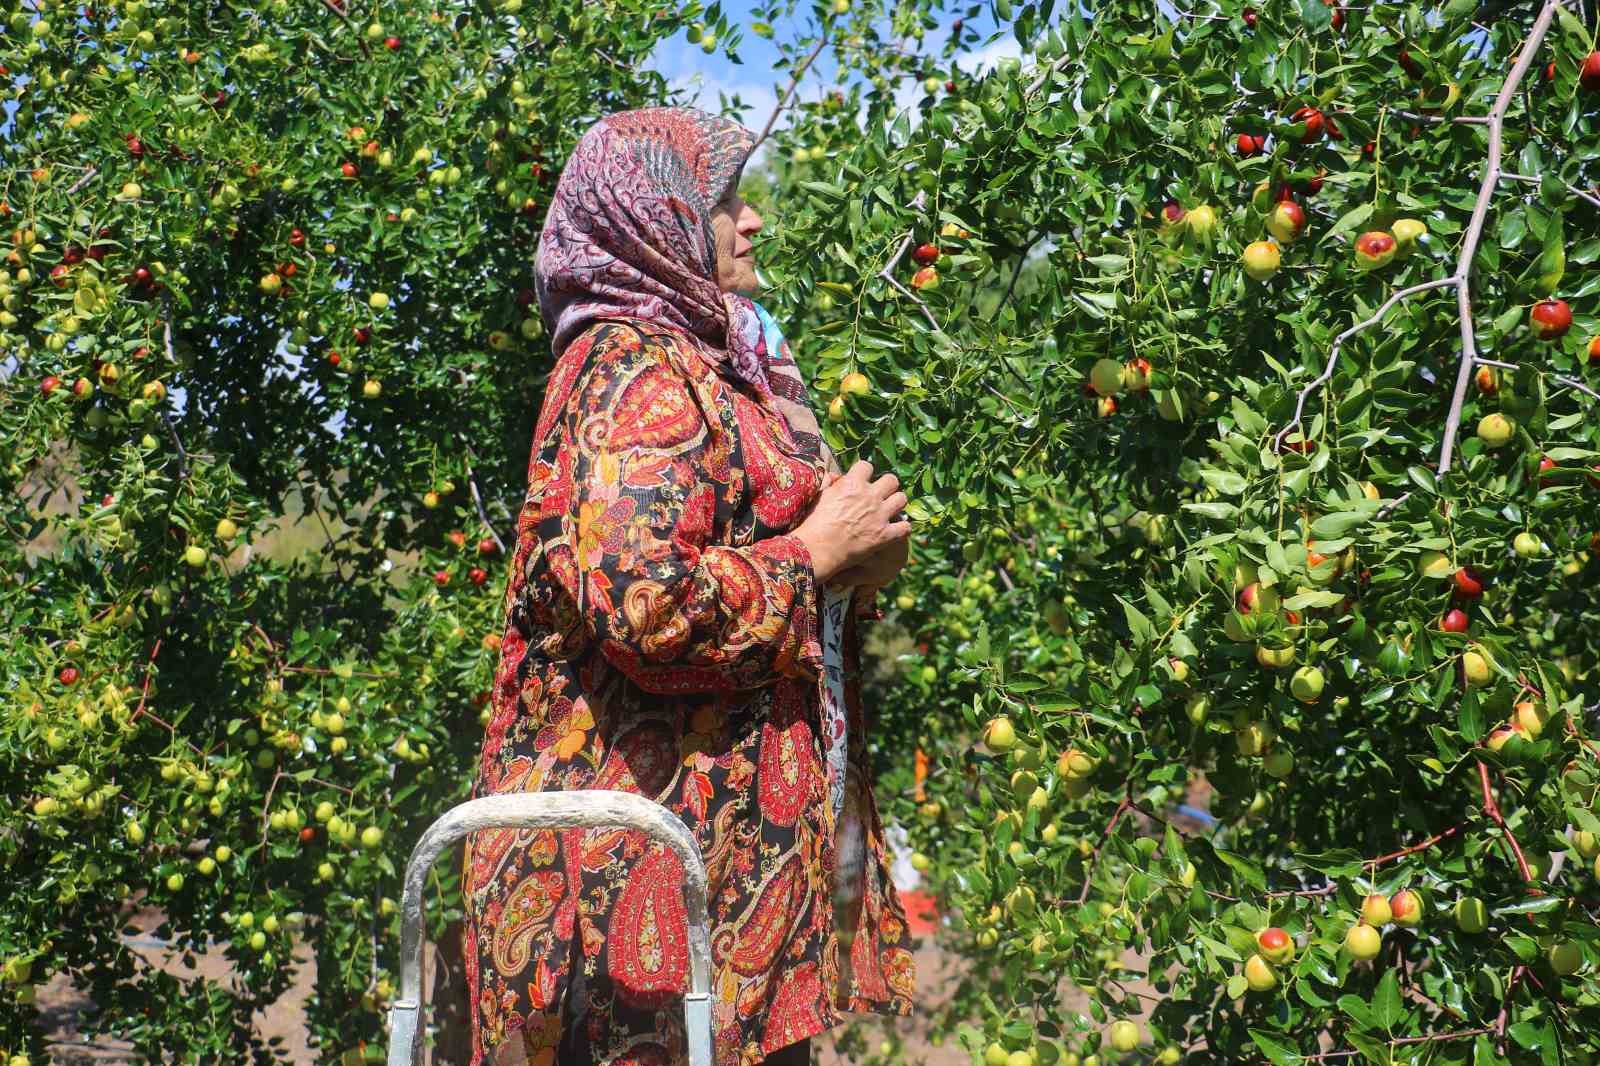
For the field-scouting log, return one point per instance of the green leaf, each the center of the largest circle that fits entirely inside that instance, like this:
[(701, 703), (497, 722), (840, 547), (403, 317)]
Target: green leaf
[(1386, 1006), (1143, 632), (1536, 905), (1279, 1054), (1339, 523), (1359, 1011)]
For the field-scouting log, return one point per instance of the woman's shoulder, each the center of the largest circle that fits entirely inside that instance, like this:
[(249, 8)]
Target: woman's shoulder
[(620, 341)]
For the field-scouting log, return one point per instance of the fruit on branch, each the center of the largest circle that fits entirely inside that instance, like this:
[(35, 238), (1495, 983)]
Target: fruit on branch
[(1496, 430), (1363, 942), (1405, 907), (1375, 910), (1136, 375), (1594, 350), (926, 278), (1249, 16), (1256, 599), (194, 556), (1565, 958), (1259, 976), (1454, 621), (1470, 915), (1275, 658), (1528, 719), (1253, 738), (1250, 144), (1105, 377), (1313, 121), (1589, 72), (1261, 259), (855, 384), (1374, 249), (1527, 546), (1202, 221), (1550, 319), (1000, 735), (1407, 232), (1412, 68), (1475, 667), (1278, 763), (926, 254), (1275, 945), (1287, 221), (1172, 214), (1468, 583), (1124, 1035), (1075, 764), (1306, 685)]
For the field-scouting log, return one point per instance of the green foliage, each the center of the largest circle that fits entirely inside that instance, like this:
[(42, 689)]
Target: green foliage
[(155, 709), (1078, 570)]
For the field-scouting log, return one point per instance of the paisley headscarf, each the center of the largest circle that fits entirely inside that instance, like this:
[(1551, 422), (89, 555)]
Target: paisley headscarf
[(629, 235)]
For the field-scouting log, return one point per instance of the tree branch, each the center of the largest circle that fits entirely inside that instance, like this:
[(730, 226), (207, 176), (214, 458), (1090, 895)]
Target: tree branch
[(1480, 212), (1338, 342), (1582, 194), (1094, 856), (1492, 810), (794, 84), (887, 273)]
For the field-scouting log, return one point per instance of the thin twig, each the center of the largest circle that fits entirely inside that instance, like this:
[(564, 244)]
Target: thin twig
[(1458, 120), (794, 84), (1094, 856), (360, 38), (1338, 342), (1480, 212), (1460, 1034), (1492, 810), (1572, 383), (887, 273), (1038, 83), (81, 182), (166, 416), (1413, 849), (1582, 194), (1386, 509)]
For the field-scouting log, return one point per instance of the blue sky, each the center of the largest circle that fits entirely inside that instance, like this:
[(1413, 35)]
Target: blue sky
[(758, 84)]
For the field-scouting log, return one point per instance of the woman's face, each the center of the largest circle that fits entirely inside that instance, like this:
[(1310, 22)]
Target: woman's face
[(732, 223)]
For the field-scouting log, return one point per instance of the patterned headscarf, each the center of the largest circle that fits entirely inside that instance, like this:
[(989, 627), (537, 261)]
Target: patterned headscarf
[(629, 236)]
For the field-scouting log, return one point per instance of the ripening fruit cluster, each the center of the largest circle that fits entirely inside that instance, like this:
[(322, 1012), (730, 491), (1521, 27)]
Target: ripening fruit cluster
[(1362, 941)]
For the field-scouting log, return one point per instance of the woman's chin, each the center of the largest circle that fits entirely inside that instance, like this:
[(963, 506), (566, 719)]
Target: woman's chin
[(745, 283)]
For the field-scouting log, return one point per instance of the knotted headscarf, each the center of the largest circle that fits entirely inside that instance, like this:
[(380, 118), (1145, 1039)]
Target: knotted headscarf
[(629, 235)]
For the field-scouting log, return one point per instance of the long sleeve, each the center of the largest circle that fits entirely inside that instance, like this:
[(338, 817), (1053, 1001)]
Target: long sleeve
[(626, 522)]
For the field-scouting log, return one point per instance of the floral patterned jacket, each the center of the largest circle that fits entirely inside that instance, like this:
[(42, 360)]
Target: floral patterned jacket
[(662, 638)]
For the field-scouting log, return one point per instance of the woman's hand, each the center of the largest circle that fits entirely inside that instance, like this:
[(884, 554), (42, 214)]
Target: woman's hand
[(879, 568), (852, 521)]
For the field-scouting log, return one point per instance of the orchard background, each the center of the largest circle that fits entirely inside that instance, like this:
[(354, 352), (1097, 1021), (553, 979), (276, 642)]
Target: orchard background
[(1288, 512)]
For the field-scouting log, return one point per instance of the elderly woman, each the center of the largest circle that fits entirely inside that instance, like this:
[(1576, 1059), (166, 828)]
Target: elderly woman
[(681, 623)]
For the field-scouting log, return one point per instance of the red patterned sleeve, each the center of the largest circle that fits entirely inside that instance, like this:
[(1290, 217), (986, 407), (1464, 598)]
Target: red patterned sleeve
[(626, 524)]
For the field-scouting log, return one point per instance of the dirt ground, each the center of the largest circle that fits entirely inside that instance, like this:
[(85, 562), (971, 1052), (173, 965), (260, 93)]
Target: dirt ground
[(63, 1005)]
